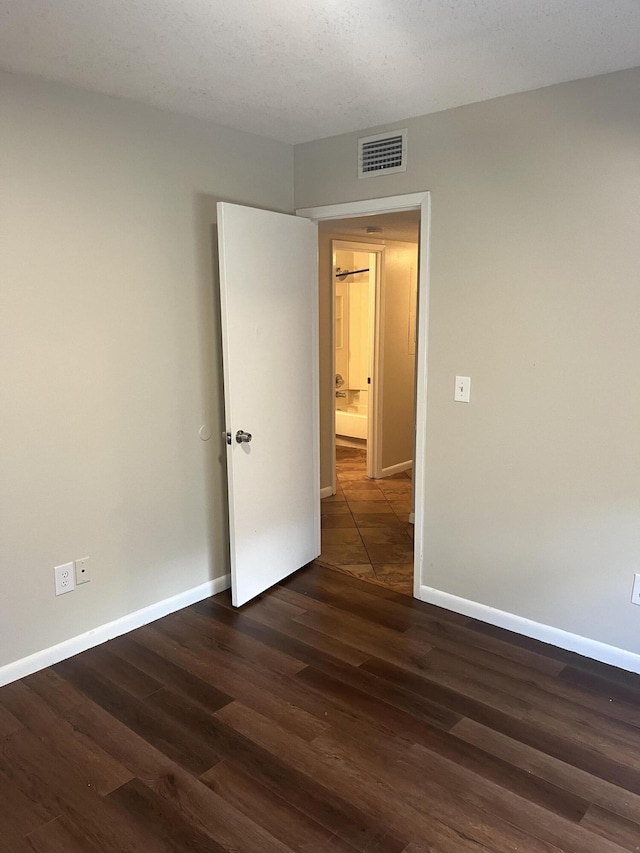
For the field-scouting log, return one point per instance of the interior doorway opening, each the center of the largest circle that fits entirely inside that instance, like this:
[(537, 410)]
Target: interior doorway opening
[(355, 282), (415, 202), (367, 520)]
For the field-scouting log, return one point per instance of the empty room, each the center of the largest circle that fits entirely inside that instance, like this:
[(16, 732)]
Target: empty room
[(319, 426)]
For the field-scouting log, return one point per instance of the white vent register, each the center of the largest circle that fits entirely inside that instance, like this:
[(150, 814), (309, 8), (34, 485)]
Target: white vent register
[(382, 154)]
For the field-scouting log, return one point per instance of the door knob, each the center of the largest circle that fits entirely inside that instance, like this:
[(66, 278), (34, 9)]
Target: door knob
[(243, 437)]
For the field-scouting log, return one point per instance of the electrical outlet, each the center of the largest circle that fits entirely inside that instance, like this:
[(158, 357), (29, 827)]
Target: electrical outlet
[(635, 592), (83, 574), (65, 581)]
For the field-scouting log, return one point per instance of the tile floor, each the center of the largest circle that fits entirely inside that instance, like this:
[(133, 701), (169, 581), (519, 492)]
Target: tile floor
[(365, 529)]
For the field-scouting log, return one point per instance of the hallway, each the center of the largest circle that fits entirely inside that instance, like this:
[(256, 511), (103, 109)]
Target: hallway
[(365, 529)]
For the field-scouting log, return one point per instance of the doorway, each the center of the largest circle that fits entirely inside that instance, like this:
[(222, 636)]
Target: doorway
[(261, 548), (366, 513), (355, 282)]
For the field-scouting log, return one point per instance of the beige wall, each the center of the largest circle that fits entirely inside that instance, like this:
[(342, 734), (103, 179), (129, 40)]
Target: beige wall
[(533, 489), (109, 351), (398, 360)]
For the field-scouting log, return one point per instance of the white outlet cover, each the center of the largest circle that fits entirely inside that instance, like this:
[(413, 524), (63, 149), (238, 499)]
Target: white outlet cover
[(635, 592), (83, 572), (64, 578)]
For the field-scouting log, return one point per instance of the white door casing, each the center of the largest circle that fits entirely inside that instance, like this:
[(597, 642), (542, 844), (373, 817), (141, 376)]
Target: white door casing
[(269, 301)]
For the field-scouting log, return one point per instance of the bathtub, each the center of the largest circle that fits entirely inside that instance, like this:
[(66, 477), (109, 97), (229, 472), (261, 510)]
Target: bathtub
[(351, 424)]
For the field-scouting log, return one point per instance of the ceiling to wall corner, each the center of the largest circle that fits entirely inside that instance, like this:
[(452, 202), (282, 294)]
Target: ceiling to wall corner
[(299, 71)]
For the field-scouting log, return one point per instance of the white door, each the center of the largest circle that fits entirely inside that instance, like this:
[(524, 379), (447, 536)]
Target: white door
[(269, 297)]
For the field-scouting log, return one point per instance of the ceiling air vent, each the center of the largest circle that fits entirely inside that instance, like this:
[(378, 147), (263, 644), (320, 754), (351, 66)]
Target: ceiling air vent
[(382, 154)]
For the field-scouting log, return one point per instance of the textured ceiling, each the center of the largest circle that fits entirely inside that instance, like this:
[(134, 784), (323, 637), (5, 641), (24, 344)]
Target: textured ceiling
[(297, 71), (395, 226)]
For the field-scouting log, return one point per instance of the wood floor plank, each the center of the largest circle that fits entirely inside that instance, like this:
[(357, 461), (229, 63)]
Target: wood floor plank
[(605, 824), (491, 652), (167, 778), (49, 780), (572, 659), (603, 693), (97, 768), (354, 676), (178, 742), (374, 640), (291, 826), (8, 723), (535, 822), (129, 678), (196, 802), (287, 625), (180, 680), (161, 816), (60, 694), (61, 835), (278, 698), (327, 716), (457, 752), (240, 623), (549, 701), (19, 813), (374, 796), (241, 645), (420, 609), (441, 790), (469, 680), (550, 768), (376, 610), (533, 735), (225, 741), (266, 692)]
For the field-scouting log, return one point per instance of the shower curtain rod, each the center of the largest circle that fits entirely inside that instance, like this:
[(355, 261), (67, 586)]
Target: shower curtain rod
[(352, 272)]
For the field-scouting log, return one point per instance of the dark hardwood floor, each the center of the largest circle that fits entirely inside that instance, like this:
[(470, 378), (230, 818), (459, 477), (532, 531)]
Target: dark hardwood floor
[(329, 716)]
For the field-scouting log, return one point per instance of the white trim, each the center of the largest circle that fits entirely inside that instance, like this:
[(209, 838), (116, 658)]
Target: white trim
[(537, 630), (368, 207), (396, 469), (422, 345), (74, 645), (327, 492)]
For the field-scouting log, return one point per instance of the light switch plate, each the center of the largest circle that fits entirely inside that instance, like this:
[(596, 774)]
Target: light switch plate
[(462, 392)]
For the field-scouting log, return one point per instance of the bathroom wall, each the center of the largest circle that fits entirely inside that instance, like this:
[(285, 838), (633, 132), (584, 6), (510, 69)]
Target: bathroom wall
[(359, 342), (344, 261)]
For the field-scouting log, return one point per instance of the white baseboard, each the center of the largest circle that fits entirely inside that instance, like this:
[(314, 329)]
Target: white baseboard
[(537, 630), (75, 645), (326, 492), (396, 469)]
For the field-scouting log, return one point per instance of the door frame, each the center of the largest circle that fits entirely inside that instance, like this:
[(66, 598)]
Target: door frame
[(374, 448), (393, 204)]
